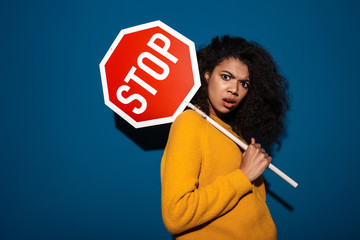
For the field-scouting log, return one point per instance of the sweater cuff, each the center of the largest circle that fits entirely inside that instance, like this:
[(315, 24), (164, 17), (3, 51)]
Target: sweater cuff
[(240, 182)]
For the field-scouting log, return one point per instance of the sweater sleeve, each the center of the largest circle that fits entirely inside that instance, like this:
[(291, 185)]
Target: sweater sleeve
[(184, 204)]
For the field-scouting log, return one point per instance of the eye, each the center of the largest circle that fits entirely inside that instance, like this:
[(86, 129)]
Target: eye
[(225, 77), (245, 84)]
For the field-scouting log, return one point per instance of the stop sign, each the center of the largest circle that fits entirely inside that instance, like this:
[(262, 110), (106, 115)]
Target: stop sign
[(149, 74)]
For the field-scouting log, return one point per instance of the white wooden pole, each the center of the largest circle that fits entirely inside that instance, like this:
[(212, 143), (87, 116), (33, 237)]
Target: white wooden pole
[(240, 143)]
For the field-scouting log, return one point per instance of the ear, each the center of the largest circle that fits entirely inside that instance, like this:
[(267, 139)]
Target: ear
[(207, 76)]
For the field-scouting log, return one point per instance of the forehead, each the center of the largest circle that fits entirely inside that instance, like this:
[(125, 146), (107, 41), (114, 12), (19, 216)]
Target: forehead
[(234, 66)]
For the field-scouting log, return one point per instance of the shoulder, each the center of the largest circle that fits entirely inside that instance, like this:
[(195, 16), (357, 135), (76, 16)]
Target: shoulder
[(189, 116), (188, 121)]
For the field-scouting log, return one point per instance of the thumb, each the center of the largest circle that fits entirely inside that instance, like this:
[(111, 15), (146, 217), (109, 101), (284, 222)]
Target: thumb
[(252, 142)]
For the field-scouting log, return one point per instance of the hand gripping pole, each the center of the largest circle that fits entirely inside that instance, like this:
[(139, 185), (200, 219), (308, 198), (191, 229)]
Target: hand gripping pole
[(240, 143)]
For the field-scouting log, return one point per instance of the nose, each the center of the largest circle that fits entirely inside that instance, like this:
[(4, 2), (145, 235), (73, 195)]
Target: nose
[(233, 87)]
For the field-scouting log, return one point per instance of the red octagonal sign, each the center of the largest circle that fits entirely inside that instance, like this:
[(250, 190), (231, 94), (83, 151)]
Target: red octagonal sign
[(149, 74)]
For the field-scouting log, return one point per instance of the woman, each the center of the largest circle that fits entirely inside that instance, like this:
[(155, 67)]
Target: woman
[(210, 188)]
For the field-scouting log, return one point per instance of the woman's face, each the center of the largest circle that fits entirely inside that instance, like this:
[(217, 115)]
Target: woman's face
[(227, 86)]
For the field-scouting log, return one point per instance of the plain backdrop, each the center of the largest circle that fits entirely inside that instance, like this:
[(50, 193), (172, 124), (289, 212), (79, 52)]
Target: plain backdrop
[(69, 169)]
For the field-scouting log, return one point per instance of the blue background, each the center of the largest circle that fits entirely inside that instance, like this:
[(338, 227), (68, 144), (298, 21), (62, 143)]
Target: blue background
[(68, 172)]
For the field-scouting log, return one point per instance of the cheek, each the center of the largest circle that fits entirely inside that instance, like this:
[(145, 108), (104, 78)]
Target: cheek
[(243, 94), (212, 88)]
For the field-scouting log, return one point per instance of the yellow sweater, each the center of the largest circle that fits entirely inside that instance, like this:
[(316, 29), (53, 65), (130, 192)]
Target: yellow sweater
[(204, 193)]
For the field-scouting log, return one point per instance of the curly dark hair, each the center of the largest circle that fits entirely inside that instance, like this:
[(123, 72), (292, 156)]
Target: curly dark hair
[(261, 113)]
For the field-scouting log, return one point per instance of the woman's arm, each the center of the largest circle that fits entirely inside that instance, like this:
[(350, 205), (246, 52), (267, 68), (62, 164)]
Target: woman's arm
[(184, 204)]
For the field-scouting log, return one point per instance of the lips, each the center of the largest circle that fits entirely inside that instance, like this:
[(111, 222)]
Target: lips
[(229, 102)]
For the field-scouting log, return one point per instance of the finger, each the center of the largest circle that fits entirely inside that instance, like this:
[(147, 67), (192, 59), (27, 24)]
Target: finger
[(257, 145), (252, 140)]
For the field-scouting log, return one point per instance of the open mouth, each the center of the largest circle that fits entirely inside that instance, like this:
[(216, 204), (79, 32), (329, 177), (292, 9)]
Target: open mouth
[(228, 102)]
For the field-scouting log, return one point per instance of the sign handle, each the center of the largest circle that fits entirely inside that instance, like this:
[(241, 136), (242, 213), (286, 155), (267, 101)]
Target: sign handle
[(240, 143)]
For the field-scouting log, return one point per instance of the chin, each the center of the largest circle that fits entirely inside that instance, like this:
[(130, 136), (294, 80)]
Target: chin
[(225, 111)]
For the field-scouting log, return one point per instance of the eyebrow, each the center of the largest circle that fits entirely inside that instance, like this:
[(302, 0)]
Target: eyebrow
[(232, 75)]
